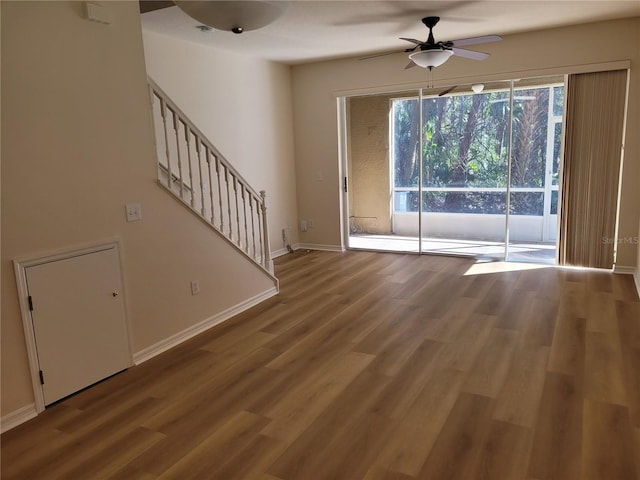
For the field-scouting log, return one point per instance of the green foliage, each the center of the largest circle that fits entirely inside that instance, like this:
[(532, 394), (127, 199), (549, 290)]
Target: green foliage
[(465, 144), (521, 203)]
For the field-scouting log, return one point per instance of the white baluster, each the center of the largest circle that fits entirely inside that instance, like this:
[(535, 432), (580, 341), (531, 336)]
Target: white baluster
[(226, 179), (203, 211), (244, 211), (187, 139), (219, 194), (175, 129), (235, 193), (210, 186), (253, 226), (267, 248), (260, 225), (163, 111)]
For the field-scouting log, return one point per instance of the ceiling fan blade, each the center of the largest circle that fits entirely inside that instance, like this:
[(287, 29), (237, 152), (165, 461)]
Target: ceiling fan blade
[(412, 40), (151, 5), (476, 40), (461, 52), (376, 55), (444, 92), (398, 11), (411, 64)]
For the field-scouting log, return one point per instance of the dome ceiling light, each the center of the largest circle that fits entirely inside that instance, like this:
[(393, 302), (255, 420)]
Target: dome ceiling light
[(430, 58), (236, 17)]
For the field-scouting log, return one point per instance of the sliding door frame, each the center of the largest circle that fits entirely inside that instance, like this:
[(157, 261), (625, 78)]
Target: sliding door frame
[(343, 160)]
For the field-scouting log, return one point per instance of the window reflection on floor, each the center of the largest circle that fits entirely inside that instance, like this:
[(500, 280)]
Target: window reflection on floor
[(518, 252)]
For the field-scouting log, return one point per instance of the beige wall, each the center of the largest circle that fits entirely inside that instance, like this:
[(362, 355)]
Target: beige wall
[(77, 146), (243, 105), (369, 182), (315, 87)]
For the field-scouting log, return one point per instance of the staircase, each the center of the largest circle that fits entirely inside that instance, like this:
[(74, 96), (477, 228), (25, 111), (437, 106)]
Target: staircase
[(199, 176)]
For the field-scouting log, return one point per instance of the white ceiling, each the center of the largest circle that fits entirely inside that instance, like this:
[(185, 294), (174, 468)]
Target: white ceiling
[(312, 30)]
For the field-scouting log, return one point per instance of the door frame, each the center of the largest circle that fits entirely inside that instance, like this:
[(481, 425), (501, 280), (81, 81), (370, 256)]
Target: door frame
[(21, 264), (343, 170)]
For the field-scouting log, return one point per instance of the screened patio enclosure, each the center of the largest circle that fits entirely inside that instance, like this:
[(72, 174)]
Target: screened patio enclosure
[(463, 173)]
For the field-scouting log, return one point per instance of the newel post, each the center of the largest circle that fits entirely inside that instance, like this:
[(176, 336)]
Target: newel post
[(267, 249)]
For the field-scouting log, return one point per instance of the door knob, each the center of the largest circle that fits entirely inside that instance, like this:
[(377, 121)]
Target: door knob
[(115, 294)]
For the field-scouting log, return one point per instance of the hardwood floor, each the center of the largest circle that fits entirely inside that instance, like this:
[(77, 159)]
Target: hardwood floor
[(377, 367)]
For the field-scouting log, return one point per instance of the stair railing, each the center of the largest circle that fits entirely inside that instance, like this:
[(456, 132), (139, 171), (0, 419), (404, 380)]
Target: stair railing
[(192, 169)]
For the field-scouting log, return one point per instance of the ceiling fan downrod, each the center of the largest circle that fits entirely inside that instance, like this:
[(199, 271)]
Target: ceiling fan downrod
[(431, 22)]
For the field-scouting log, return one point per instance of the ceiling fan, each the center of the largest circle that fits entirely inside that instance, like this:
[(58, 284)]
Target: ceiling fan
[(433, 54)]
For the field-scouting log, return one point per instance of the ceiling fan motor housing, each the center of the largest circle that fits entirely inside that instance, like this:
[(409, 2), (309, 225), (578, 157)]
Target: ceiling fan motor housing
[(430, 22), (436, 46)]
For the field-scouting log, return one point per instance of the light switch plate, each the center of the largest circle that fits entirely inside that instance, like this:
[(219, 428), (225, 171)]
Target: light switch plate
[(134, 212), (97, 13)]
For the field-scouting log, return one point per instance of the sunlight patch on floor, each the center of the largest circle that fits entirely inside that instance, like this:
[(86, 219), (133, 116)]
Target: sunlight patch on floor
[(483, 268)]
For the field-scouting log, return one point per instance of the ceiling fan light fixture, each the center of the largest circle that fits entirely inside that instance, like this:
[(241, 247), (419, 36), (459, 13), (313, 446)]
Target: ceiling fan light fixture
[(430, 58)]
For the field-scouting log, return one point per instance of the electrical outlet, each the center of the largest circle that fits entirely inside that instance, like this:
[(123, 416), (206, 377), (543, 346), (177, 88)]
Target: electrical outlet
[(303, 225), (309, 223), (134, 212), (195, 287)]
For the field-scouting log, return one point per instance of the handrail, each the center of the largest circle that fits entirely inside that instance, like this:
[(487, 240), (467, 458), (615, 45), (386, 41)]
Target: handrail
[(196, 131), (194, 170), (473, 189)]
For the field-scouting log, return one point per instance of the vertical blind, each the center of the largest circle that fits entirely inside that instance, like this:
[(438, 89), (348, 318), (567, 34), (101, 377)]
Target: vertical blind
[(592, 158)]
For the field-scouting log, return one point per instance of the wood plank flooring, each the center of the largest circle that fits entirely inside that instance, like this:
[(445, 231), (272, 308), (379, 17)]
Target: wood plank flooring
[(372, 366)]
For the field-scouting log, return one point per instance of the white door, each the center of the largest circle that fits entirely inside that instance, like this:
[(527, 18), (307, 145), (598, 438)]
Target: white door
[(78, 320)]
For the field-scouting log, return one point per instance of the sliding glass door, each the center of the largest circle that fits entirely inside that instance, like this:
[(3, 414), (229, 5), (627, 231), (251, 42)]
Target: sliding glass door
[(472, 170)]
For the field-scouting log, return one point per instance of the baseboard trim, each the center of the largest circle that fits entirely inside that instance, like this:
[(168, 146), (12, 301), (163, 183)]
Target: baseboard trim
[(174, 340), (624, 270), (279, 253), (635, 272), (318, 246), (18, 417)]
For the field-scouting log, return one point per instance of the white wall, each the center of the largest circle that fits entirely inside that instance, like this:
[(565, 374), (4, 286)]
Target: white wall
[(243, 105), (472, 226), (316, 86), (77, 145)]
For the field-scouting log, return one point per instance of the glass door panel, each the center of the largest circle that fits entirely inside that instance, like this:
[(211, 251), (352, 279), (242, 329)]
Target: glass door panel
[(533, 197), (405, 166), (465, 138), (382, 171)]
